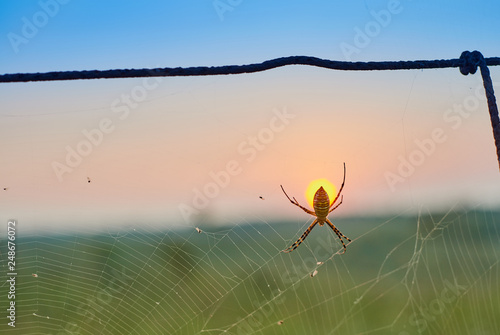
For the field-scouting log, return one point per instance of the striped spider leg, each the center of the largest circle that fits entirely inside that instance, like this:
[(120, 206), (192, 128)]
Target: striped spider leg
[(322, 208)]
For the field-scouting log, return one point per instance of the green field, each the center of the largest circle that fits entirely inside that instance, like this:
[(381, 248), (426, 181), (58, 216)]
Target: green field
[(427, 274)]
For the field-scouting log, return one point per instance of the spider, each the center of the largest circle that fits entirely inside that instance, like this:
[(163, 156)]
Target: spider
[(321, 204)]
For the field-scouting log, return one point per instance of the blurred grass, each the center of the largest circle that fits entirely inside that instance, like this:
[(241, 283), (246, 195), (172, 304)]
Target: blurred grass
[(432, 274)]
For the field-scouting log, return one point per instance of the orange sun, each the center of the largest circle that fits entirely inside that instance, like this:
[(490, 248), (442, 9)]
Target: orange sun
[(315, 185)]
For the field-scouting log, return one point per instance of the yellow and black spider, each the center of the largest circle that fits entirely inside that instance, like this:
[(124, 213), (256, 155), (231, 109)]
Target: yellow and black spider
[(321, 204)]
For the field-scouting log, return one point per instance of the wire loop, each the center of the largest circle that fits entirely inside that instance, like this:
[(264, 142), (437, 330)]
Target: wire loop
[(471, 61)]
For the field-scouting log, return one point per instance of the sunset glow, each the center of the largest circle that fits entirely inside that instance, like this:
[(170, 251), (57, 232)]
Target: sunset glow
[(315, 185)]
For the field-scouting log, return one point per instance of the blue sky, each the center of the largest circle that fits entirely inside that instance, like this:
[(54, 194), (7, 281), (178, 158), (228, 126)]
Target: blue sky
[(116, 34), (182, 131)]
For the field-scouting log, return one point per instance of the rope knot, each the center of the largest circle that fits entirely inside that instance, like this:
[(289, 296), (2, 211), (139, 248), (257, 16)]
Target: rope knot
[(470, 62)]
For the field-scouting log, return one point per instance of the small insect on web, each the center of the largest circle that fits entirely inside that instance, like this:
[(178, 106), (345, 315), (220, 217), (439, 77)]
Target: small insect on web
[(321, 204)]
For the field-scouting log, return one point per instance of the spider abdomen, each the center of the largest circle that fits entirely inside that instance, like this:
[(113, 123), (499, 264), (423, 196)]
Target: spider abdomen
[(321, 204)]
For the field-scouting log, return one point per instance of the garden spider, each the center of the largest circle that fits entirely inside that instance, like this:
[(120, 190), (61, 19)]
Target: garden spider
[(321, 204)]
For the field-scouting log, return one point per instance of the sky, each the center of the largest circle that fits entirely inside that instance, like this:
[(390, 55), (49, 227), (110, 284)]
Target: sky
[(198, 150)]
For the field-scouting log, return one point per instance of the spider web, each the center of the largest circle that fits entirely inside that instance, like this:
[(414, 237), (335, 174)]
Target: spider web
[(115, 255)]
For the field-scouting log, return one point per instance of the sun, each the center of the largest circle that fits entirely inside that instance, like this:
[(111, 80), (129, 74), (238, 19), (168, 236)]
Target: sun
[(315, 185)]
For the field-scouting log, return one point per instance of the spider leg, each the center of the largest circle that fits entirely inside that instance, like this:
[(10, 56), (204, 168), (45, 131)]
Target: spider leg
[(302, 238), (331, 210), (341, 187), (296, 203), (339, 234)]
